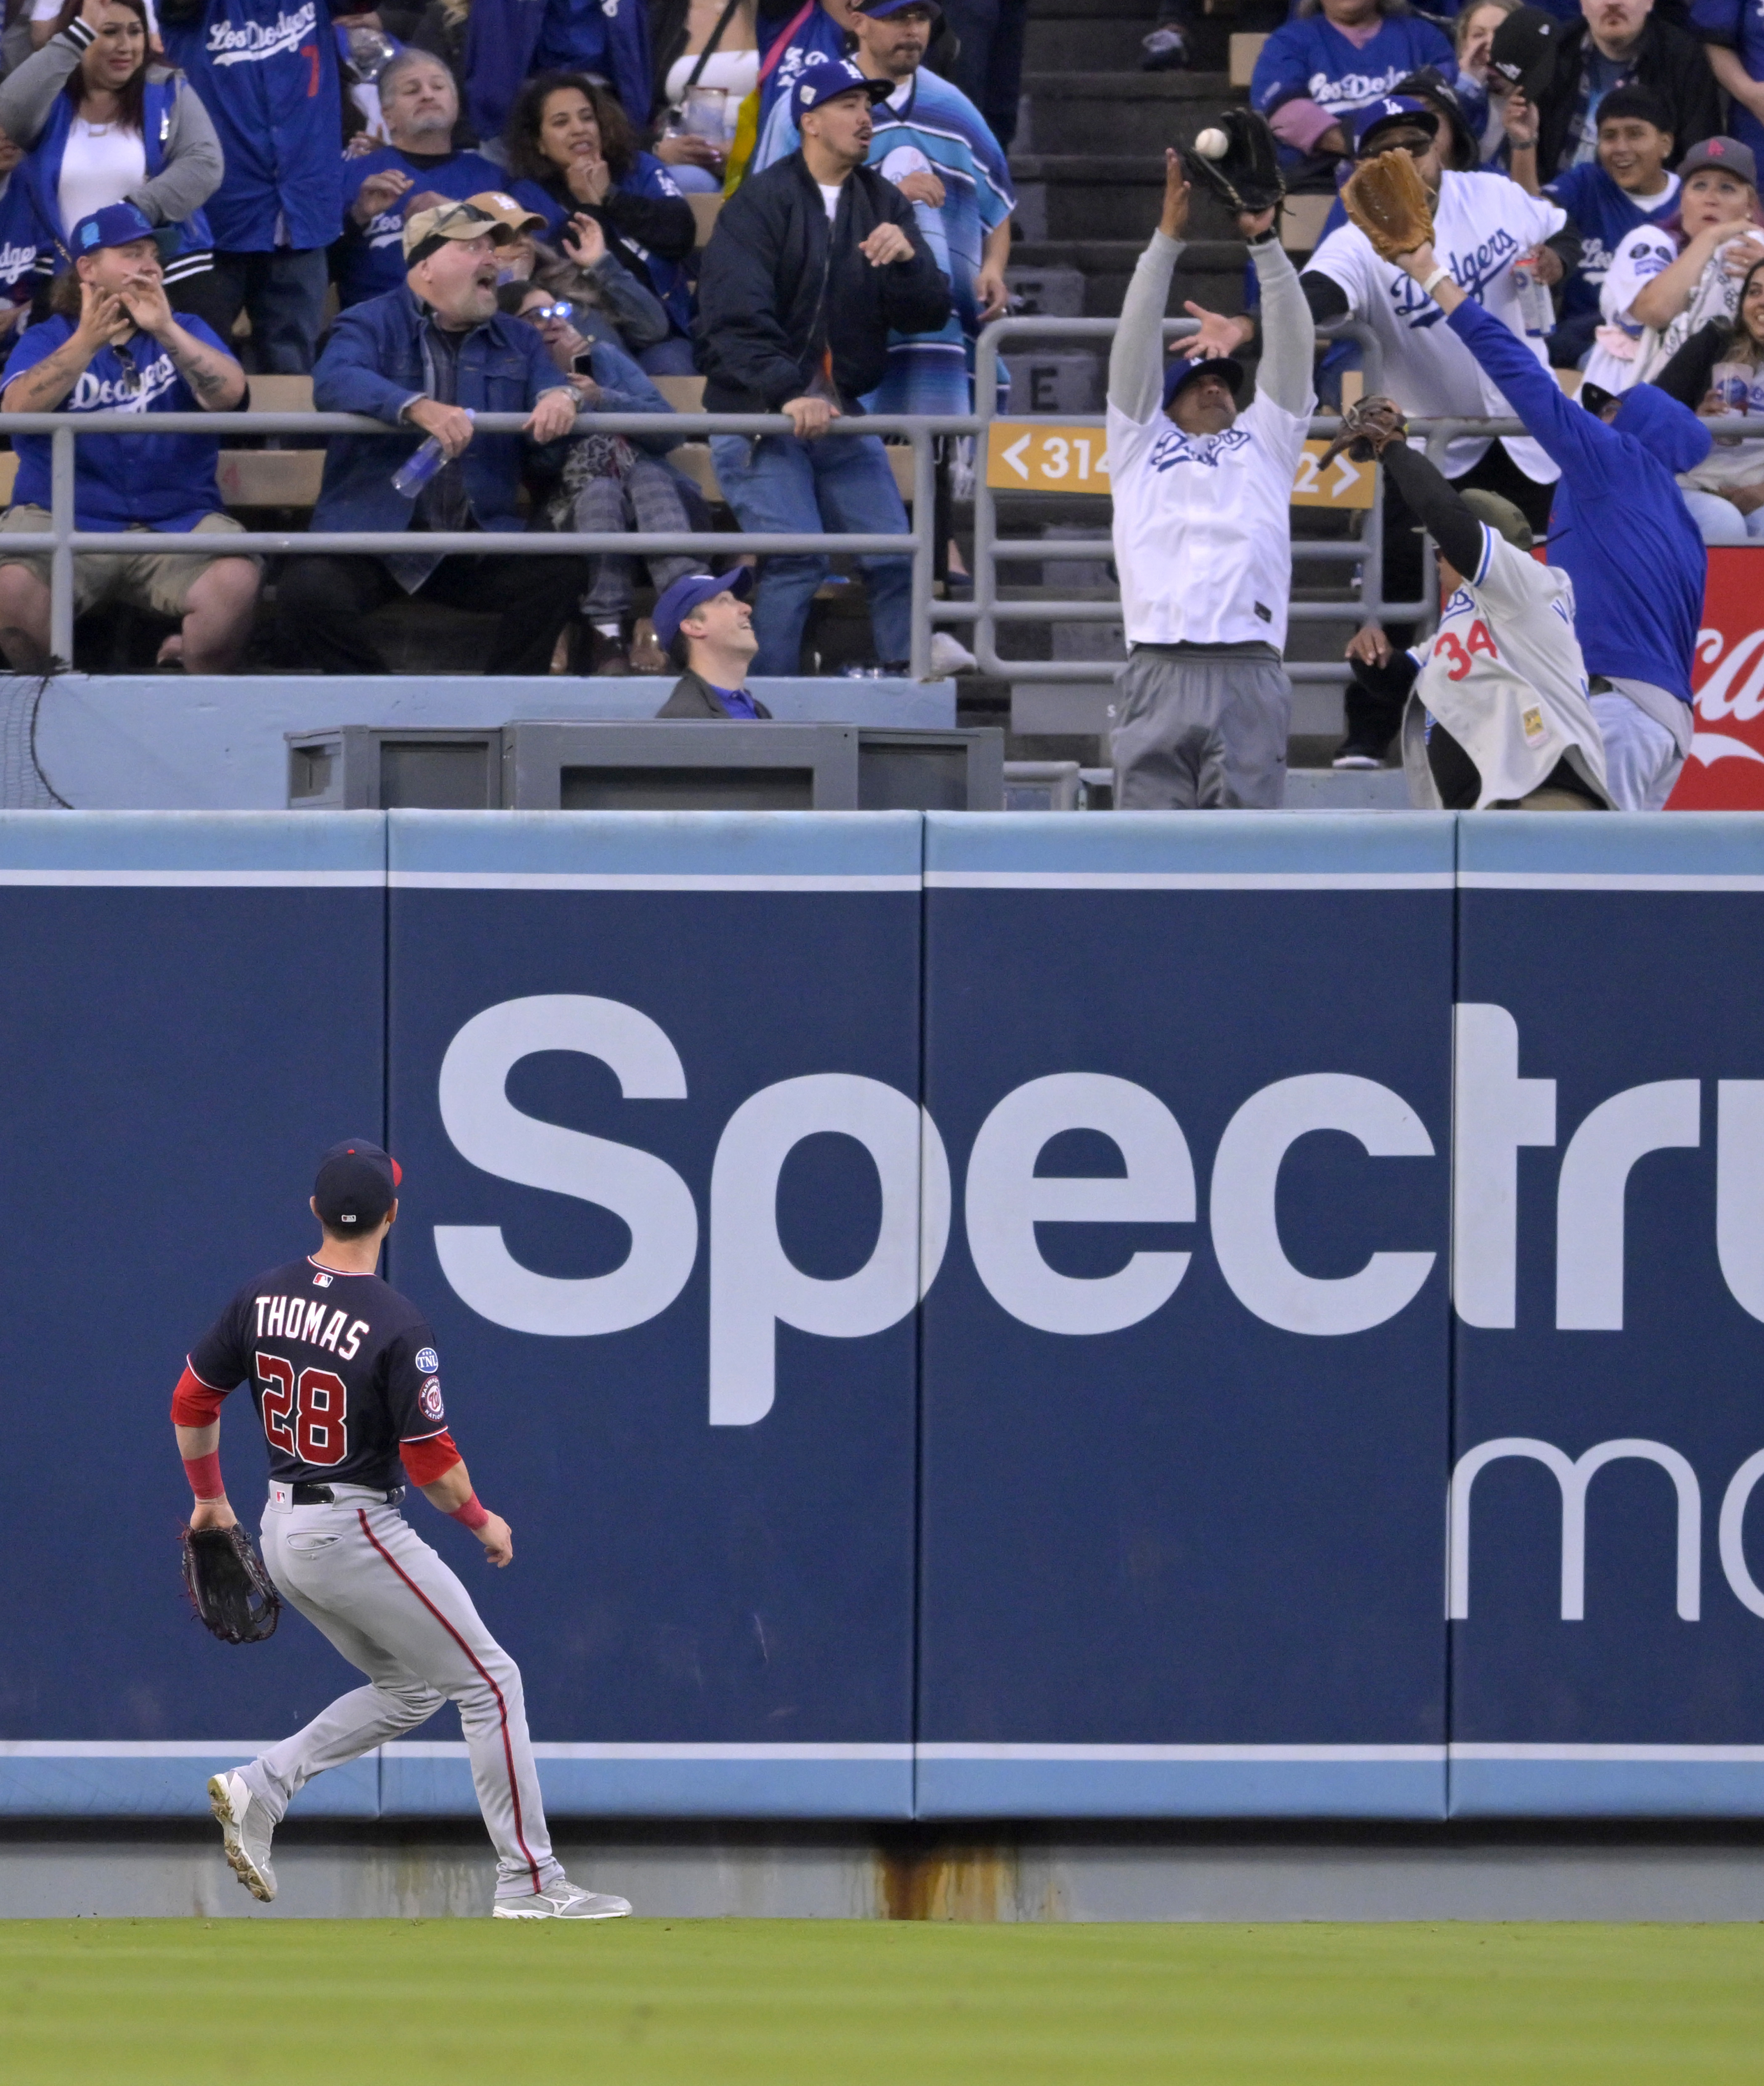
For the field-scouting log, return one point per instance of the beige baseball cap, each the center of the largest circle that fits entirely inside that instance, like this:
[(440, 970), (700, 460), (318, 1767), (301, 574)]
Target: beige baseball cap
[(425, 229), (493, 203)]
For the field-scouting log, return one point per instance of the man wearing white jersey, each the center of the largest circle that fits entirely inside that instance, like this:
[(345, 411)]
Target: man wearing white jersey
[(1499, 715), (1203, 535), (1483, 223)]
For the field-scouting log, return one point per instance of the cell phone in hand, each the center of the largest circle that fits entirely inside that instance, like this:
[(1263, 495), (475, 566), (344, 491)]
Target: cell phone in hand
[(582, 362)]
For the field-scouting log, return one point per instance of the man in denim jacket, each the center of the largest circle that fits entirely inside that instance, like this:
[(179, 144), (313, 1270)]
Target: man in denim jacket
[(424, 359)]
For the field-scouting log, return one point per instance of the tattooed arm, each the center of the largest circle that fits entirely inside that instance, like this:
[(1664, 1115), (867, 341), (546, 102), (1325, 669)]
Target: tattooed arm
[(212, 373), (43, 387)]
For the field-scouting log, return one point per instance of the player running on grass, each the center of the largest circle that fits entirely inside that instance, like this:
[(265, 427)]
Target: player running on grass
[(345, 1377)]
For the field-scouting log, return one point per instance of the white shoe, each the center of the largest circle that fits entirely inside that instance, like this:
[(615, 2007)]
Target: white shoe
[(562, 1900), (949, 655), (247, 1833)]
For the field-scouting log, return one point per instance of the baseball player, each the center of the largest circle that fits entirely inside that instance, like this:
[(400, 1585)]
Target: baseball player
[(346, 1380), (1203, 533), (1620, 531), (1498, 714), (1483, 223)]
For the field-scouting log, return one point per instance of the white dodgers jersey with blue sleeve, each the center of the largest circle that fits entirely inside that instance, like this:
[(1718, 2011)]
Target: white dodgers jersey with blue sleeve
[(1202, 529), (1504, 676)]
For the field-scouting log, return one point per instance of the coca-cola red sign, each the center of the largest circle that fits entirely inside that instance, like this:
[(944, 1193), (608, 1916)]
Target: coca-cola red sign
[(1725, 771)]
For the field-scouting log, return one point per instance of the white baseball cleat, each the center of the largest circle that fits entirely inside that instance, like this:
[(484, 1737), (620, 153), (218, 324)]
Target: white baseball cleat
[(247, 1833), (562, 1900)]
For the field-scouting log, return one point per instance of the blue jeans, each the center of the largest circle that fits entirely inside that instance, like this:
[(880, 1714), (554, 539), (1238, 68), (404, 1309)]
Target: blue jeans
[(840, 483), (284, 292)]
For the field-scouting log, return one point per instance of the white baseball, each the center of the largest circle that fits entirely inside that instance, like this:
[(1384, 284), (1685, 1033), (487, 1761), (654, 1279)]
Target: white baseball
[(1212, 144)]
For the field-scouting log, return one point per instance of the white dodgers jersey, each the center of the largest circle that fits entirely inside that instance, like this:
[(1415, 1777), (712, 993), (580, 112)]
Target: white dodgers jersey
[(1504, 676), (1202, 533)]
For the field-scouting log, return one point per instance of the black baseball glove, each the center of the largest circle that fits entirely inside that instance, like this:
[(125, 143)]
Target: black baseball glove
[(227, 1586), (1368, 428), (1247, 175)]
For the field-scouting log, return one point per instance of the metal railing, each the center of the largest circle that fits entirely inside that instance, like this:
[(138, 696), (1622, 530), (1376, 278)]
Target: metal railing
[(1361, 555), (63, 540)]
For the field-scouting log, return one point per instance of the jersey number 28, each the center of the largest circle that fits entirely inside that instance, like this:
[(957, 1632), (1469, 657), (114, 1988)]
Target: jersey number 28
[(303, 1419)]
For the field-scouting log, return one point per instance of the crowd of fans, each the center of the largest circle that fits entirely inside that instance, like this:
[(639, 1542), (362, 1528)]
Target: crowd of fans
[(486, 206), (482, 206)]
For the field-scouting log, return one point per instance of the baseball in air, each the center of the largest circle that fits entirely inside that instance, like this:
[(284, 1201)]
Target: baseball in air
[(1211, 144)]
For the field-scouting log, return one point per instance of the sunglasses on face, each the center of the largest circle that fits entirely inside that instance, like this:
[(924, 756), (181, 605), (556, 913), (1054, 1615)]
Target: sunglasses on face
[(1416, 148), (535, 314)]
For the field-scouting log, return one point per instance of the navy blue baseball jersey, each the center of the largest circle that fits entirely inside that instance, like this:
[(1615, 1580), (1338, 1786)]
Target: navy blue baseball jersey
[(343, 1371)]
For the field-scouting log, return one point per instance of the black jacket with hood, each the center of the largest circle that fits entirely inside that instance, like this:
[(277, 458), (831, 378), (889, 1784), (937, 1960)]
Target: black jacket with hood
[(1669, 62), (780, 286)]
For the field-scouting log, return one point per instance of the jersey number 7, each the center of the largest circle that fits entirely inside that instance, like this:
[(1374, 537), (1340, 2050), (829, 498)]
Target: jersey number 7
[(305, 1418)]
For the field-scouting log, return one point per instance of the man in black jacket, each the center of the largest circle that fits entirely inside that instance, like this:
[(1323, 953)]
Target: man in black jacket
[(812, 263), (1623, 43)]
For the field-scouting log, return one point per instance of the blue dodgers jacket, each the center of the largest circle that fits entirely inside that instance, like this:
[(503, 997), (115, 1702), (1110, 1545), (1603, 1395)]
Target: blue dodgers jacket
[(267, 73), (1620, 528), (379, 359), (1308, 60)]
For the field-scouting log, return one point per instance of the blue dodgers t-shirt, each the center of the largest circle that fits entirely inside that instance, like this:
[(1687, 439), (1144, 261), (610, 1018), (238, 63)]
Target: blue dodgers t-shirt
[(152, 481), (370, 261), (1604, 215)]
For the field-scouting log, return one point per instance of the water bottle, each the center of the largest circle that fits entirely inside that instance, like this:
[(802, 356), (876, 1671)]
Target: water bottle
[(421, 465), (1537, 314)]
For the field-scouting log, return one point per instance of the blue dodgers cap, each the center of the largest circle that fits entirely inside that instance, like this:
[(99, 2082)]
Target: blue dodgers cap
[(881, 10), (357, 1184), (826, 79), (1182, 368), (117, 224), (677, 602), (1393, 108)]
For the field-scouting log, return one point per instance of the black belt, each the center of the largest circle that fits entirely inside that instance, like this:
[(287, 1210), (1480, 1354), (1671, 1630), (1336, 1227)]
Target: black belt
[(305, 1495)]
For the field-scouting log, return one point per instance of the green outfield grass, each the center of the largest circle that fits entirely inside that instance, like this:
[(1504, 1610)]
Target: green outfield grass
[(656, 2003)]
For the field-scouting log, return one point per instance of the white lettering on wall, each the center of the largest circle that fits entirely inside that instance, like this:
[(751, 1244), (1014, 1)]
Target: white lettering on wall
[(644, 1191), (1589, 1196)]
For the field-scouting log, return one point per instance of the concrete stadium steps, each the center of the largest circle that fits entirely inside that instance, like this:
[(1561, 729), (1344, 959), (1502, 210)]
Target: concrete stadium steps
[(1122, 112), (1076, 35), (1214, 266)]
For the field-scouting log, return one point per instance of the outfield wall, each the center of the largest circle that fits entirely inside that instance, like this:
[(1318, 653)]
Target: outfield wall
[(1241, 1283)]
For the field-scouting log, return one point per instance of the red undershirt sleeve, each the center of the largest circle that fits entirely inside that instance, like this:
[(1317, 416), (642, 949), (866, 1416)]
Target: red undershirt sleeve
[(195, 1403), (427, 1460)]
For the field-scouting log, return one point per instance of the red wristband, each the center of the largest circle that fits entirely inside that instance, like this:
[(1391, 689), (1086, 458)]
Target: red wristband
[(204, 1475), (470, 1515)]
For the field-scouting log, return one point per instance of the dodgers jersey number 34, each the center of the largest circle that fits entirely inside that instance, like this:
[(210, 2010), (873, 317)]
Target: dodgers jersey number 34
[(342, 1370)]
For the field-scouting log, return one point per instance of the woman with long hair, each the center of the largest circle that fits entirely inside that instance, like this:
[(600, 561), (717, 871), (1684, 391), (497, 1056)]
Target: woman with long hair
[(1725, 492), (103, 122), (1655, 298), (572, 155)]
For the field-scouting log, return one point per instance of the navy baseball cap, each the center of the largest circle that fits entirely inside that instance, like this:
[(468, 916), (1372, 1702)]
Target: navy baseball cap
[(117, 224), (1182, 368), (832, 77), (882, 9), (1392, 108), (357, 1184), (676, 602)]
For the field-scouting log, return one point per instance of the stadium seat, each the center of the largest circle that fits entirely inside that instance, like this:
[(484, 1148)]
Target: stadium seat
[(270, 477), (1245, 51), (685, 395), (1303, 223), (280, 394), (705, 209)]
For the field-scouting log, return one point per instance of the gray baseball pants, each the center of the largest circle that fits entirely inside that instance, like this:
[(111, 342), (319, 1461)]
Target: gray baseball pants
[(1200, 729), (360, 1572)]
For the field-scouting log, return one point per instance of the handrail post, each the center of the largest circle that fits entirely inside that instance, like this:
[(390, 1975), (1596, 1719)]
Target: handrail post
[(924, 551), (61, 557)]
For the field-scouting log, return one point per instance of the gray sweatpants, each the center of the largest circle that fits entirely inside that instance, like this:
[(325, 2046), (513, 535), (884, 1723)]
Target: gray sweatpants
[(646, 497), (360, 1572), (1200, 730)]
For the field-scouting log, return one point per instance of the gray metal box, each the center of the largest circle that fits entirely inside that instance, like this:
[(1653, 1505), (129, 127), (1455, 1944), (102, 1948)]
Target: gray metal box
[(363, 768), (689, 765)]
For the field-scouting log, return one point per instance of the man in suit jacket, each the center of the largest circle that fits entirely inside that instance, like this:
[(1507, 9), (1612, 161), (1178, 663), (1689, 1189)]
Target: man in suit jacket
[(705, 626)]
